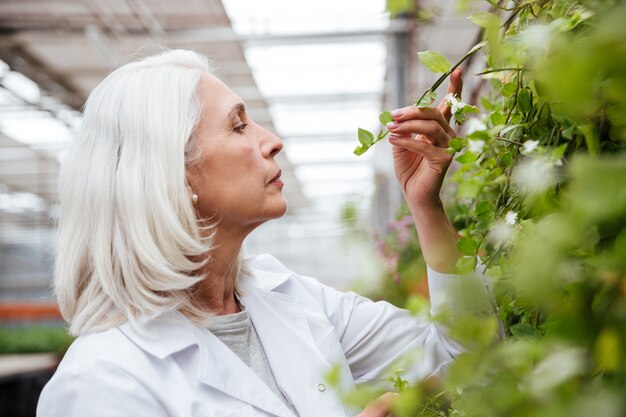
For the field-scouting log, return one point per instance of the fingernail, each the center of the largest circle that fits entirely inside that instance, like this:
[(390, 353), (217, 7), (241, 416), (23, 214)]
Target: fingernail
[(392, 125), (397, 113), (393, 136)]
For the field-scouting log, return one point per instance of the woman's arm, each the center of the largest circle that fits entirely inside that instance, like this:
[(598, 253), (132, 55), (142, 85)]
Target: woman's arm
[(420, 164)]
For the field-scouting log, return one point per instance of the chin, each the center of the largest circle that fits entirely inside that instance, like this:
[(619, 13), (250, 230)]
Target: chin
[(282, 210)]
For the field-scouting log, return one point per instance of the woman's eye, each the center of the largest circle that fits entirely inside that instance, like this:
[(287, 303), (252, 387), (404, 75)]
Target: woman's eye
[(241, 127)]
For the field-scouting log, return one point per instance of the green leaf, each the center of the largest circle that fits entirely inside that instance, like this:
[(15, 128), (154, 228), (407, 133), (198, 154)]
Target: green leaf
[(469, 109), (365, 137), (508, 89), (524, 330), (360, 150), (480, 135), (509, 128), (591, 138), (396, 7), (486, 103), (472, 330), (466, 158), (467, 246), (497, 118), (524, 100), (485, 19), (427, 100), (476, 47), (385, 117), (459, 118), (483, 206), (559, 151), (469, 189), (456, 144), (607, 348), (434, 61), (507, 159), (465, 265)]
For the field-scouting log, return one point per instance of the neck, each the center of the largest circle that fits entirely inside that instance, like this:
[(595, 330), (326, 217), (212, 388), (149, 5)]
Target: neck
[(216, 292)]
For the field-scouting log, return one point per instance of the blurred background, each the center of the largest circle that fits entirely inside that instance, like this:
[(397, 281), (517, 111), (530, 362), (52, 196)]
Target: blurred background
[(310, 71)]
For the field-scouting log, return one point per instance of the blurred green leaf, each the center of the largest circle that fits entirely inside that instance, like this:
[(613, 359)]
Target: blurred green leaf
[(469, 189), (608, 350), (524, 101), (508, 90), (485, 19), (497, 118), (456, 143), (524, 330), (465, 265), (427, 100), (434, 61), (467, 246), (466, 157)]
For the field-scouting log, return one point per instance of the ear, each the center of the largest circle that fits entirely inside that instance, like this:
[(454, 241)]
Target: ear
[(188, 186)]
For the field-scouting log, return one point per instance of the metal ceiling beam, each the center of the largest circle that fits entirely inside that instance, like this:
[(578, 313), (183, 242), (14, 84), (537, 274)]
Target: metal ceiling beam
[(215, 35), (53, 84)]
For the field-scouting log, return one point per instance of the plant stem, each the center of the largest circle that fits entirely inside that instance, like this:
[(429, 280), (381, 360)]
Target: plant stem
[(441, 79), (433, 411), (509, 141), (490, 70)]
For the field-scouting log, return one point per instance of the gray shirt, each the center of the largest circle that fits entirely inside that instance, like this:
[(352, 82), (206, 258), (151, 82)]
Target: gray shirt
[(237, 332)]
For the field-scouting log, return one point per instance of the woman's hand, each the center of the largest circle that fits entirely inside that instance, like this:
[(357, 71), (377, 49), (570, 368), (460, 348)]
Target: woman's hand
[(421, 162), (380, 407)]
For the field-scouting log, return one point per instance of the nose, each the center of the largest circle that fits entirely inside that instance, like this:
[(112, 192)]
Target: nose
[(272, 144)]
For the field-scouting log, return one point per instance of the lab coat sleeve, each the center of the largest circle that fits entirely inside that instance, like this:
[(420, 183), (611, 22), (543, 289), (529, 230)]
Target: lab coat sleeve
[(375, 335), (104, 390)]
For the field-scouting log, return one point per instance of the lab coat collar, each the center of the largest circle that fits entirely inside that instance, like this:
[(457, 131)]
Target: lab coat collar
[(173, 332), (163, 336), (267, 273)]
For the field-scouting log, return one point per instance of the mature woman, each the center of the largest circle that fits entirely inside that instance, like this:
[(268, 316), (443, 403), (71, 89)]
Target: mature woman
[(167, 177)]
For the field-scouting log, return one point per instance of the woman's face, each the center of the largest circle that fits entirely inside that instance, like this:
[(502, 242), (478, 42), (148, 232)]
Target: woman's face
[(236, 178)]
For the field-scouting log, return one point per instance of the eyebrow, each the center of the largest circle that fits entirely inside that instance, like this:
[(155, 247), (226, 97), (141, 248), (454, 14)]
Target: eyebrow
[(235, 110)]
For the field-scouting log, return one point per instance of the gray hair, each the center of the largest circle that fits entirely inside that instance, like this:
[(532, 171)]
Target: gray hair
[(129, 239)]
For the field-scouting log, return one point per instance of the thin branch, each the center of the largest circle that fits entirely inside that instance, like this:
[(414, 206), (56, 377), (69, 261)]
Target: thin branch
[(441, 79), (433, 411), (509, 141), (490, 70)]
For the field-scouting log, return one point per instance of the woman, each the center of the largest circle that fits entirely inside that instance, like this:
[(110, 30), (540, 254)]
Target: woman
[(167, 177)]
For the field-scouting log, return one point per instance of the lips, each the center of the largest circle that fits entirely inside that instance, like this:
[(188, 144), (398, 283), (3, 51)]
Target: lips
[(277, 176)]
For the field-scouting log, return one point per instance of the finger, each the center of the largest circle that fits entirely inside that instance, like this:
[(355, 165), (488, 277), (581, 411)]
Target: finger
[(429, 128), (380, 407), (423, 147), (455, 87), (413, 112), (425, 113)]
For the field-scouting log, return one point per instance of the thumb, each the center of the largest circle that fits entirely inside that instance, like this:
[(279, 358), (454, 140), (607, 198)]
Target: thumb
[(455, 87)]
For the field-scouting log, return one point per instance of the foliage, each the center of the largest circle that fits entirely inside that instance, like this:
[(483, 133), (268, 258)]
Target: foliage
[(402, 257), (540, 196), (34, 339)]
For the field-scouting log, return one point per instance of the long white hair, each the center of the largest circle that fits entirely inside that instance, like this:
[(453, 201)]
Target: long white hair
[(129, 240)]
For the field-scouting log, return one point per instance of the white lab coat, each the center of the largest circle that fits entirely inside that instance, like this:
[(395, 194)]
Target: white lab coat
[(172, 367)]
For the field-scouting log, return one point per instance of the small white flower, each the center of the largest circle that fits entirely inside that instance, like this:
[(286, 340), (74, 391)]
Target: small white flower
[(453, 102), (529, 146), (534, 175), (474, 124), (475, 146), (501, 234), (511, 217), (558, 162)]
